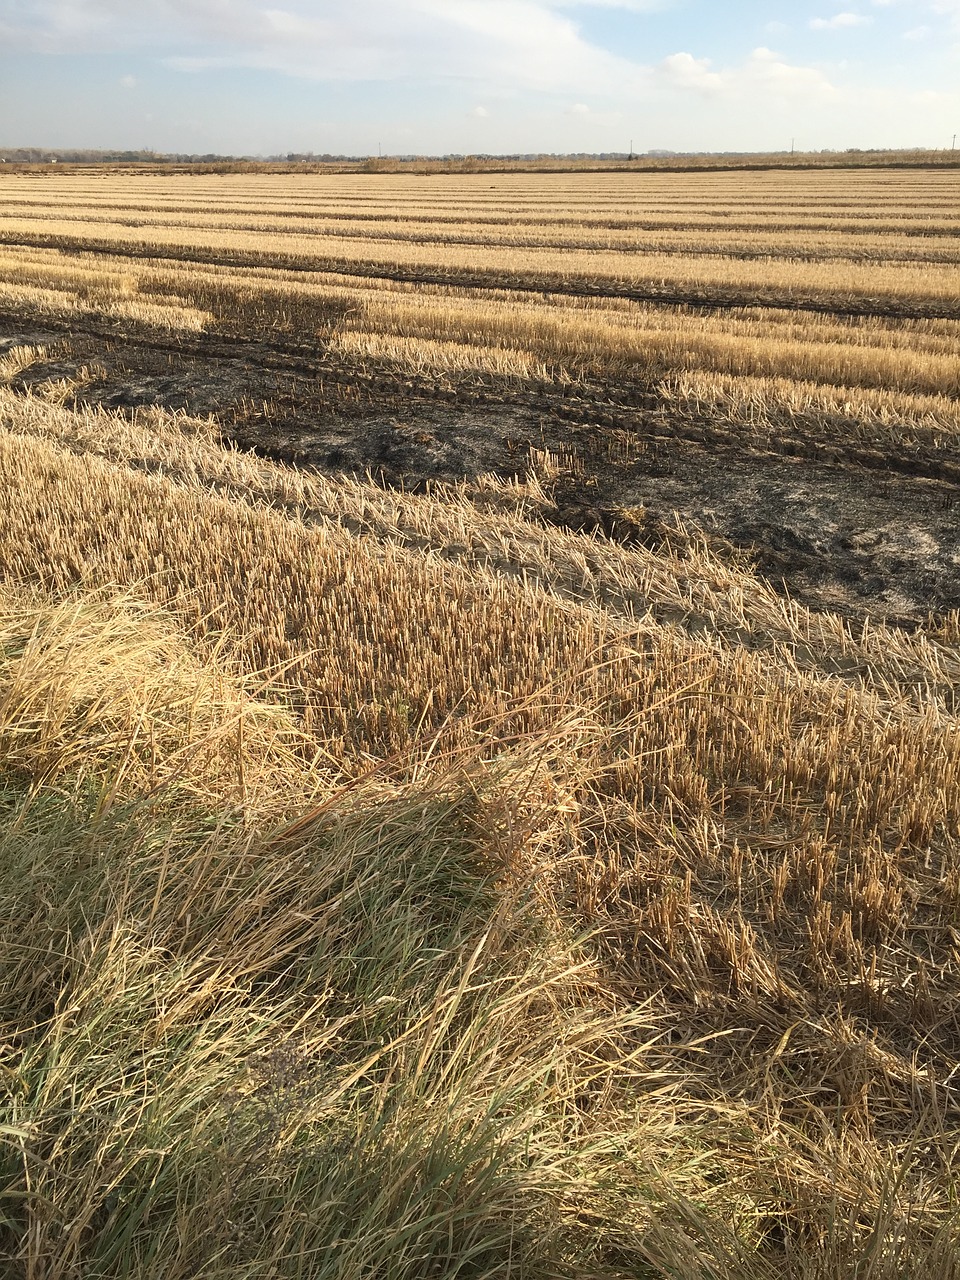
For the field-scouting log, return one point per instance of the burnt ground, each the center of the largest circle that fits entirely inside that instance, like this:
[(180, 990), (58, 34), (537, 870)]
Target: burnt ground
[(849, 528)]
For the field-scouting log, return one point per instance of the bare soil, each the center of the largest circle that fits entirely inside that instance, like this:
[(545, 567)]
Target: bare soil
[(846, 528)]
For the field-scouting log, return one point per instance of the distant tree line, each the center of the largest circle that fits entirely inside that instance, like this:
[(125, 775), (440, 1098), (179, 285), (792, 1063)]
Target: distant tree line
[(55, 155), (309, 161)]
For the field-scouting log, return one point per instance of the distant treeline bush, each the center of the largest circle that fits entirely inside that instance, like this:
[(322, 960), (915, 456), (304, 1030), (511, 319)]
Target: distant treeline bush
[(651, 160)]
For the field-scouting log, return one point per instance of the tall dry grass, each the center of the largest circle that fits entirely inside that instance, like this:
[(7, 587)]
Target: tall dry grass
[(836, 283), (309, 259), (496, 529), (896, 381), (675, 231), (241, 1037), (400, 886), (471, 897)]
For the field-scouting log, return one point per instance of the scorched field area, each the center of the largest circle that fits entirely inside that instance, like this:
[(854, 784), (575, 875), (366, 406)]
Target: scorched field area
[(772, 355)]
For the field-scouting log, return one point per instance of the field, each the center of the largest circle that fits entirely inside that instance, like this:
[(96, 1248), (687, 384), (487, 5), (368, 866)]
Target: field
[(480, 725)]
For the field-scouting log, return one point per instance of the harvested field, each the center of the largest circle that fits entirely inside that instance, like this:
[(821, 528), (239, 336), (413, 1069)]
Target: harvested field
[(480, 726)]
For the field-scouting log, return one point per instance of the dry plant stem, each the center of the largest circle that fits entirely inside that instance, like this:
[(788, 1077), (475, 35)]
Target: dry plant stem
[(402, 886), (884, 380)]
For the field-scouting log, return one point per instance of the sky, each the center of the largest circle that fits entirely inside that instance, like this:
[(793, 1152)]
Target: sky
[(432, 77)]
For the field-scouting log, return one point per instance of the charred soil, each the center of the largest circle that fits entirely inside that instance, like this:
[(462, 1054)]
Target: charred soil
[(837, 525)]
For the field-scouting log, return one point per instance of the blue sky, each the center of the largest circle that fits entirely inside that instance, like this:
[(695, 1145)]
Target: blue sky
[(433, 76)]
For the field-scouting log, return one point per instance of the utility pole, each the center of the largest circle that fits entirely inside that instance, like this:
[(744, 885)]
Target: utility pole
[(954, 146), (792, 145)]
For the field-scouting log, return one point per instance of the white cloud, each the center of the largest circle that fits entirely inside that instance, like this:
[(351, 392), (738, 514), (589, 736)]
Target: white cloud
[(918, 33), (632, 6), (945, 8), (687, 72), (128, 82), (519, 43), (478, 55), (766, 69), (839, 21), (764, 75), (586, 121)]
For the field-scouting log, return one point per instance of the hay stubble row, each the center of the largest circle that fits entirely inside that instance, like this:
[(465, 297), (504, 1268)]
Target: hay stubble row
[(707, 1015)]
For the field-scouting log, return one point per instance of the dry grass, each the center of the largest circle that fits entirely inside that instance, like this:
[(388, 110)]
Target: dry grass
[(497, 529), (824, 240), (807, 235), (898, 241), (894, 379), (402, 886), (919, 282), (643, 343), (749, 816), (855, 413), (233, 1040)]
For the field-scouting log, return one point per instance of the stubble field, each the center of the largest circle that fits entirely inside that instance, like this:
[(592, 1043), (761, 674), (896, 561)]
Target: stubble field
[(479, 725)]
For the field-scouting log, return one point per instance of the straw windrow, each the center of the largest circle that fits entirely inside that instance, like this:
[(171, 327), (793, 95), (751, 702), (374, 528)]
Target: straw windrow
[(400, 885)]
